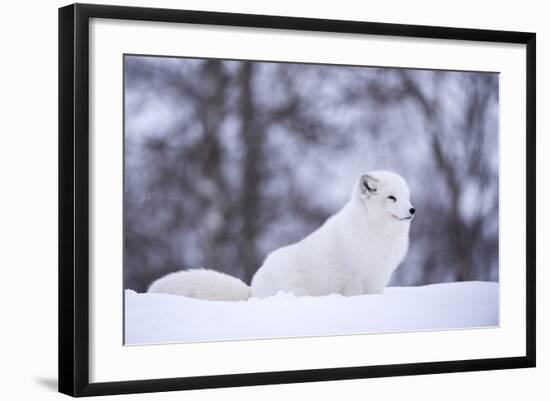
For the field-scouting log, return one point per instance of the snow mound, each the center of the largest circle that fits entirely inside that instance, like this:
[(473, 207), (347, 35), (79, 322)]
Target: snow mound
[(160, 318)]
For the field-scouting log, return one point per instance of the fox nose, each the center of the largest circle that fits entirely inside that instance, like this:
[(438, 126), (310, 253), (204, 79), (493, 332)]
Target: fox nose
[(412, 210)]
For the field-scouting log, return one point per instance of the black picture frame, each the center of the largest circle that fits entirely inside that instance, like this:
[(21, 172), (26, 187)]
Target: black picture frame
[(74, 193)]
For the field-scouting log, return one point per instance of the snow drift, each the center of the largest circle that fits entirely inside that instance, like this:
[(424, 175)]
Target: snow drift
[(159, 318)]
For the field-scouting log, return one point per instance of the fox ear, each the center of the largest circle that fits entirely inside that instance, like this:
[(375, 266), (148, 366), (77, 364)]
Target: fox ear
[(368, 184)]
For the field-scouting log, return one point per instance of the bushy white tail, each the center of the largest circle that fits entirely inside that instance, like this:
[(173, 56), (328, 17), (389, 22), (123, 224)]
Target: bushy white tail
[(203, 284)]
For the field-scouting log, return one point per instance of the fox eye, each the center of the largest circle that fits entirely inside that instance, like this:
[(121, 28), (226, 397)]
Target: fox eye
[(392, 198)]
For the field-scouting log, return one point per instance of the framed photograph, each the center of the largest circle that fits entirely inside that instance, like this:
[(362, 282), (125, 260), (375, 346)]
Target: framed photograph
[(251, 199)]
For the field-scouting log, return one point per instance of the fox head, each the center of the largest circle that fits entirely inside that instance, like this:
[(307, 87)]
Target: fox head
[(386, 198)]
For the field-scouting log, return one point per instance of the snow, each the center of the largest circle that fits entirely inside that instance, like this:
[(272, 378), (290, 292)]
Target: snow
[(161, 318)]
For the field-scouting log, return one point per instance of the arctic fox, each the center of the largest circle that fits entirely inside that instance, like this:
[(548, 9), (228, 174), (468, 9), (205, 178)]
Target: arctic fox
[(354, 252)]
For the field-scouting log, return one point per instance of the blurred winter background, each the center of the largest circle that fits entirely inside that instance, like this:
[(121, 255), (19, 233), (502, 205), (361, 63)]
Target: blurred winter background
[(226, 161)]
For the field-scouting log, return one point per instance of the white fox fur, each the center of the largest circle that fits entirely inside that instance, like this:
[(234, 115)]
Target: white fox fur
[(204, 284), (354, 252)]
